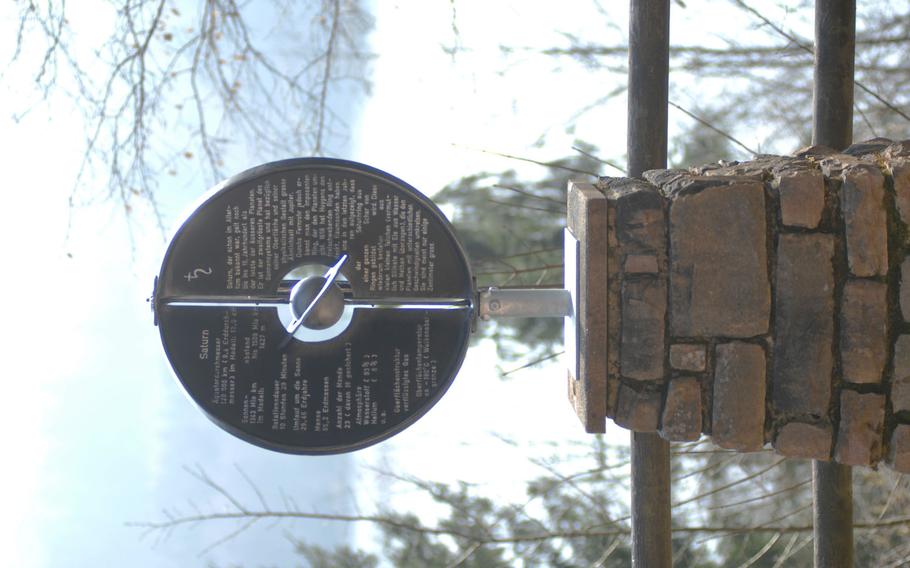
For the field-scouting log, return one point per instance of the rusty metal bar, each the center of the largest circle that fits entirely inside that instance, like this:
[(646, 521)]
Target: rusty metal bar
[(832, 125), (833, 509), (649, 67), (646, 143), (524, 302), (651, 534), (835, 44)]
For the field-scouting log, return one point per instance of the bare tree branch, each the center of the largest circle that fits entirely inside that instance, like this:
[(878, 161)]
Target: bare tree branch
[(167, 86)]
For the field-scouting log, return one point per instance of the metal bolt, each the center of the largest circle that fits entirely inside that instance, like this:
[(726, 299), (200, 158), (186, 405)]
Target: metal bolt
[(495, 305)]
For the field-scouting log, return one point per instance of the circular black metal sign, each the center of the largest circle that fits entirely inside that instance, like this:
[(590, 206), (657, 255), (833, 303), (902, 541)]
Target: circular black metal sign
[(315, 306)]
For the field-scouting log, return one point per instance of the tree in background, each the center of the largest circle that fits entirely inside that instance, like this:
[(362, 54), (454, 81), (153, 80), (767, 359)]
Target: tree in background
[(512, 230), (729, 509), (170, 83), (760, 79)]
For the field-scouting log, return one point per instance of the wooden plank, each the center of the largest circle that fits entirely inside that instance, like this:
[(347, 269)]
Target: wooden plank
[(586, 329)]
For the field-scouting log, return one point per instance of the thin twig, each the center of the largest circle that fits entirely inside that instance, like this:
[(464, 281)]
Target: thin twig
[(761, 497), (726, 486), (601, 160), (808, 49), (891, 495), (762, 551), (525, 207), (521, 270), (531, 195), (529, 160), (606, 555), (532, 363), (467, 553), (704, 122)]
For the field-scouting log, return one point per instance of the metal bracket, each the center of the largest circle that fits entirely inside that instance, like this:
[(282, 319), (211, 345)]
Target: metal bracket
[(524, 303), (582, 302)]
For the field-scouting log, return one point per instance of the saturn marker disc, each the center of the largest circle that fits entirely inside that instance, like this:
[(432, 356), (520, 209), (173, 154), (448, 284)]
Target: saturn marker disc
[(315, 306)]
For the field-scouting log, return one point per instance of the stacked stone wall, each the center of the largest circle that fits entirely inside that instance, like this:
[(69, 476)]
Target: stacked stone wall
[(766, 303)]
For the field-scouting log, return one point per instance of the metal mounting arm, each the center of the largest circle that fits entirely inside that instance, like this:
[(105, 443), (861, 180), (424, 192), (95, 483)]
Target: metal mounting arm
[(582, 302), (524, 303)]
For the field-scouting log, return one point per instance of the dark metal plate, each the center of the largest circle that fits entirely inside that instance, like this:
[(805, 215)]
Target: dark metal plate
[(371, 380)]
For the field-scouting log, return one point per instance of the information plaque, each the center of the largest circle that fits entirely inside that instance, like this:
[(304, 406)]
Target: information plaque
[(314, 305)]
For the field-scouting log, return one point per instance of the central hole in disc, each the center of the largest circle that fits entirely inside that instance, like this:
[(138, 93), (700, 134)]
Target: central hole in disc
[(328, 308)]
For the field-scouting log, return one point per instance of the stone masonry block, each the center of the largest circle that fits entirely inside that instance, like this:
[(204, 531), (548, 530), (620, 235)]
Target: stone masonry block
[(900, 384), (637, 410), (681, 418), (862, 199), (718, 264), (641, 264), (868, 148), (640, 222), (614, 294), (905, 289), (802, 360), (758, 168), (899, 451), (802, 197), (817, 151), (899, 169), (670, 181), (800, 440), (738, 413), (864, 331), (644, 308), (688, 357), (897, 149), (859, 438)]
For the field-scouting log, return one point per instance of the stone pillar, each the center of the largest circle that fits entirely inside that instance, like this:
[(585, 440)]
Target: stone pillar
[(760, 303)]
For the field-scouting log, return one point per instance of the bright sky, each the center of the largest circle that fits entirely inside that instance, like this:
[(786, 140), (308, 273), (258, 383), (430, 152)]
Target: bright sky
[(94, 427)]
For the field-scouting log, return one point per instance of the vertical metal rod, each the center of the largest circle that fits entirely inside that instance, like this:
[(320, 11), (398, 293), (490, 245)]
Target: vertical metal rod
[(835, 44), (833, 510), (832, 125), (649, 67), (651, 535)]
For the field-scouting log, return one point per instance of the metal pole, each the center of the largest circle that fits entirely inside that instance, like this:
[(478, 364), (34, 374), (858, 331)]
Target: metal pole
[(524, 302), (649, 67), (832, 125), (835, 43), (833, 510)]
